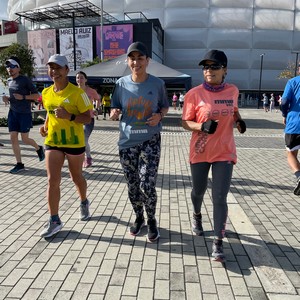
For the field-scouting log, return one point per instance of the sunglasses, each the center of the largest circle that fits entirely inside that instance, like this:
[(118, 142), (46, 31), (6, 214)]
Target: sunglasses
[(212, 67), (11, 66)]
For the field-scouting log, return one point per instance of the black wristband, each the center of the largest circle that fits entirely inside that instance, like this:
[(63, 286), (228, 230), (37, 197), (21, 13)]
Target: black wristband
[(72, 117), (24, 97)]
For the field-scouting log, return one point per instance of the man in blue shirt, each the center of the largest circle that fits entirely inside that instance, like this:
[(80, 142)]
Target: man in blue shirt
[(21, 93), (290, 107)]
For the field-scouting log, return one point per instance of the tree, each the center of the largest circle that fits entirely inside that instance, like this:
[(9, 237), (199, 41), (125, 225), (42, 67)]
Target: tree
[(25, 55), (289, 72)]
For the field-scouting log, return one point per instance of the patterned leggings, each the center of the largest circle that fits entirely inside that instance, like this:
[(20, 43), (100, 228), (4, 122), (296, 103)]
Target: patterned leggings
[(140, 165)]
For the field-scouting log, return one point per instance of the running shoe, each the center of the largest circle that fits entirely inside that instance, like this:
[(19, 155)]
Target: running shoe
[(197, 224), (138, 224), (41, 153), (17, 168), (51, 228), (85, 211), (153, 232), (217, 251), (297, 187)]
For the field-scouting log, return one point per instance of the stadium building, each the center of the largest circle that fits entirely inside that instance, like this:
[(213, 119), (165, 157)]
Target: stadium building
[(260, 37)]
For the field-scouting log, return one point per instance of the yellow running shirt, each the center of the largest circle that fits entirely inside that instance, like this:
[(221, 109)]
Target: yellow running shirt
[(62, 132)]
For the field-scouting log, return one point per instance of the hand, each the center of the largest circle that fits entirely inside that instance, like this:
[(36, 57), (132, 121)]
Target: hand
[(5, 99), (210, 126), (114, 114), (62, 113), (241, 126), (154, 119), (18, 96), (43, 131)]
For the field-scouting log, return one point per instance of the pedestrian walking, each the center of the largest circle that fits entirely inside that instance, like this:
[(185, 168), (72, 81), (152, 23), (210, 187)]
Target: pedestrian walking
[(142, 100), (265, 101), (210, 110), (181, 101), (174, 100), (106, 102), (81, 80), (290, 107), (272, 102), (22, 94), (68, 108)]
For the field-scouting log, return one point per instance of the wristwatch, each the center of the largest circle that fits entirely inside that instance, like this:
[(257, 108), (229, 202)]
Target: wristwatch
[(72, 117)]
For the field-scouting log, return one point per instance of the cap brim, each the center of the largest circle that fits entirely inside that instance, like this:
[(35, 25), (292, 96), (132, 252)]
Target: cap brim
[(136, 50), (202, 62)]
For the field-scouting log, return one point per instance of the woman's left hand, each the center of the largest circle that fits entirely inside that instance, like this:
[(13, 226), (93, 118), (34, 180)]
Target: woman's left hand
[(61, 113), (154, 119)]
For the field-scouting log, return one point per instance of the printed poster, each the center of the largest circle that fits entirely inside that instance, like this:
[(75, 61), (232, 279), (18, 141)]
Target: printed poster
[(43, 45), (116, 40), (83, 45)]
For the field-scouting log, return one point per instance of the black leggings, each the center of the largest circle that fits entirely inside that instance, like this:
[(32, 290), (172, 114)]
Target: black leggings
[(221, 179)]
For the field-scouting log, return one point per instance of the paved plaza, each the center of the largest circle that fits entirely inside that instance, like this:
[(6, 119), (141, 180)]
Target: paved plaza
[(98, 259)]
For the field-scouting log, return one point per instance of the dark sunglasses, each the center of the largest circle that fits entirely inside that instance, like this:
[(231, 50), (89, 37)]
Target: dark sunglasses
[(212, 67), (11, 66)]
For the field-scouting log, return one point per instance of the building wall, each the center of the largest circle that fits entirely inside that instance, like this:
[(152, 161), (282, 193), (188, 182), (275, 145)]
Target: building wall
[(244, 29)]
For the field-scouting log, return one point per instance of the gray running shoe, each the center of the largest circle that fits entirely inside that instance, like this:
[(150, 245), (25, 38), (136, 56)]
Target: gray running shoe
[(85, 211), (297, 188), (51, 228), (217, 251), (197, 224)]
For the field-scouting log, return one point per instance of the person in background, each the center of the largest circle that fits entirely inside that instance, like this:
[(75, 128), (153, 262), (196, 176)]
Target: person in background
[(210, 110), (22, 94), (272, 102), (174, 100), (181, 100), (68, 108), (142, 100), (265, 101), (290, 108), (106, 105), (81, 79)]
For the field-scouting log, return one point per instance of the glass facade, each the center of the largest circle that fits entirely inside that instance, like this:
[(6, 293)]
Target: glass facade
[(244, 29)]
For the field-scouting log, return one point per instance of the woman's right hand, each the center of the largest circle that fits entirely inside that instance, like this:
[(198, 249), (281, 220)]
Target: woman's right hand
[(43, 131), (114, 114)]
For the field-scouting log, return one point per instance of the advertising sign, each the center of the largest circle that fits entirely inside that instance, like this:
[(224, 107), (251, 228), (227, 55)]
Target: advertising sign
[(83, 45), (116, 39), (43, 45)]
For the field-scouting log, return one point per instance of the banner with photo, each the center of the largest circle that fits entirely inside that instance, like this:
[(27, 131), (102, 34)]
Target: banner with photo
[(43, 45), (116, 39), (83, 45)]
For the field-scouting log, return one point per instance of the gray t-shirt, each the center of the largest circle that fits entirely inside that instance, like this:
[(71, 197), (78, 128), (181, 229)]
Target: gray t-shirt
[(137, 102), (24, 86)]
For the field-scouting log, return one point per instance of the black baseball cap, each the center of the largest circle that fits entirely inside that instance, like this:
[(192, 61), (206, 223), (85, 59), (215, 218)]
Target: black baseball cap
[(138, 46), (216, 56)]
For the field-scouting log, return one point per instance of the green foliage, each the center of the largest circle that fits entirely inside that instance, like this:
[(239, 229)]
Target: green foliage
[(289, 72), (3, 122), (25, 55)]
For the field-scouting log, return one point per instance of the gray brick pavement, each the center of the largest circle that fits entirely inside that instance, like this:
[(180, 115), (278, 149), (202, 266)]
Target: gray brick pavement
[(100, 260)]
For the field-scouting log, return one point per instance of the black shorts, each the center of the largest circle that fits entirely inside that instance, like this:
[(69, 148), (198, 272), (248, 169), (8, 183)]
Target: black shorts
[(292, 141), (71, 151)]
